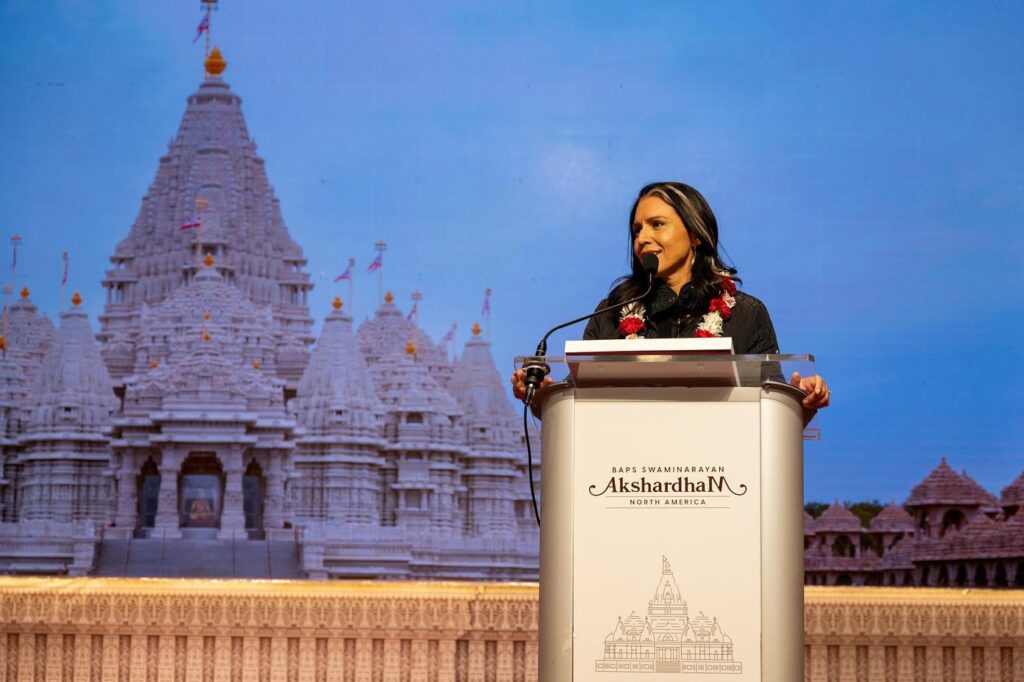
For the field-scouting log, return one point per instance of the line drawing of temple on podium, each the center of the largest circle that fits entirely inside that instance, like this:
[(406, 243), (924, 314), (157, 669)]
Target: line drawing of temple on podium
[(666, 640)]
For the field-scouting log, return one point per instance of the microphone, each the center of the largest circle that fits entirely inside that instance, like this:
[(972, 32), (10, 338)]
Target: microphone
[(649, 262), (536, 369)]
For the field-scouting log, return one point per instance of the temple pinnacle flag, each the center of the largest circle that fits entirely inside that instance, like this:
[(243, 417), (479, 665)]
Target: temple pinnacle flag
[(450, 336), (485, 310), (348, 272), (377, 263), (197, 221), (204, 25), (64, 279), (412, 313)]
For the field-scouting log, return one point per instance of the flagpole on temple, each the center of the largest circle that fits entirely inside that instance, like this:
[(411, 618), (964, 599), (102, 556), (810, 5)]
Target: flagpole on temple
[(200, 206), (487, 311), (414, 314), (351, 301), (63, 279), (449, 340), (209, 4), (15, 240), (380, 247)]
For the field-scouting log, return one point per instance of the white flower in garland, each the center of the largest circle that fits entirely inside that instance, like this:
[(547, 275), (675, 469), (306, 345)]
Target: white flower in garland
[(711, 325)]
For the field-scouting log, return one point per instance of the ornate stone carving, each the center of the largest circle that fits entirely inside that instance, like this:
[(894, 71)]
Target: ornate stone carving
[(161, 629)]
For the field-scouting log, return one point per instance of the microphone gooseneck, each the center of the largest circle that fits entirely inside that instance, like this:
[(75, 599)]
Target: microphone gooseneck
[(535, 367)]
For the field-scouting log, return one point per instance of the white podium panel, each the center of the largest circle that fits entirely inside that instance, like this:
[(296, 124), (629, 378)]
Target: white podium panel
[(666, 512), (668, 540)]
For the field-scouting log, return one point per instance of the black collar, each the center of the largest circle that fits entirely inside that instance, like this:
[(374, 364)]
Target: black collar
[(663, 298)]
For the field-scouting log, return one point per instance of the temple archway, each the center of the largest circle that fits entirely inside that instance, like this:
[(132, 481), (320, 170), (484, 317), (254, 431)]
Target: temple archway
[(961, 575), (999, 580), (843, 547), (981, 576), (148, 485), (200, 491), (253, 486), (954, 518)]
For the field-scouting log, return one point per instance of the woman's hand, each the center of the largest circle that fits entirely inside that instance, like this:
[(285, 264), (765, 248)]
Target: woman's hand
[(519, 384), (818, 393)]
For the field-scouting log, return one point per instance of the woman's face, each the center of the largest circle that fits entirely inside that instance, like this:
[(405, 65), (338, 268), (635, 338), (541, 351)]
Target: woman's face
[(658, 229)]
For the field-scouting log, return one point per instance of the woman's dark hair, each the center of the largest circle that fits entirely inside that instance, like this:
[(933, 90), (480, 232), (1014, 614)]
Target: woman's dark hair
[(708, 268)]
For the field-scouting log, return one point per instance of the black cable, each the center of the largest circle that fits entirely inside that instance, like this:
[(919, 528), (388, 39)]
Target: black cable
[(529, 462), (536, 369)]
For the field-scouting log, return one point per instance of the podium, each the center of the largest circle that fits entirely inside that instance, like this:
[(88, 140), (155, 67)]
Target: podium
[(672, 518)]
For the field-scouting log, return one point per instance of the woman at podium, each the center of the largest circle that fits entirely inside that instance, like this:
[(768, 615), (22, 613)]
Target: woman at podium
[(694, 293)]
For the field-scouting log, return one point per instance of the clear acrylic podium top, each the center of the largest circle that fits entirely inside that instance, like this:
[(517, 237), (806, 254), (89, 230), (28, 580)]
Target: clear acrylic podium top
[(671, 362)]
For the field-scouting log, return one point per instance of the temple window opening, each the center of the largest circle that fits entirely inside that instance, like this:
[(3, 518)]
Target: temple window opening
[(201, 491)]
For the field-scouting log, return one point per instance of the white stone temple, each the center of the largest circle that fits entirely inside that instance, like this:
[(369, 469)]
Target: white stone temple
[(204, 430)]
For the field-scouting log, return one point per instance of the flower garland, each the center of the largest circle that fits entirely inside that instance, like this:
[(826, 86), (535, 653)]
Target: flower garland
[(631, 319), (719, 310)]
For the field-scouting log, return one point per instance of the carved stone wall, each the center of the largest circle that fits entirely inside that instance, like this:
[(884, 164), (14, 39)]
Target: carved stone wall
[(913, 634), (227, 631), (223, 631)]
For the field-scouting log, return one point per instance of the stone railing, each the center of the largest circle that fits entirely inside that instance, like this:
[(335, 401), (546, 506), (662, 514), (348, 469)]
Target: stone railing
[(167, 630), (855, 634)]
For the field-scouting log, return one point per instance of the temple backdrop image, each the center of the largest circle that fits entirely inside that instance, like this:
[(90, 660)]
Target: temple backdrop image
[(216, 408), (203, 430), (255, 416)]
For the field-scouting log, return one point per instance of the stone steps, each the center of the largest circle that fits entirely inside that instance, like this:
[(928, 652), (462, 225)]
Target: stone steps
[(198, 558)]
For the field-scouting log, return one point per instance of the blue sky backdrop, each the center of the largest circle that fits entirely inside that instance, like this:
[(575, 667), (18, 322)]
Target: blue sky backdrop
[(865, 162)]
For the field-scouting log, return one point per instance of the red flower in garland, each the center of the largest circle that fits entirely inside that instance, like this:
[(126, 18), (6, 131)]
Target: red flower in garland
[(721, 306), (719, 310), (631, 325)]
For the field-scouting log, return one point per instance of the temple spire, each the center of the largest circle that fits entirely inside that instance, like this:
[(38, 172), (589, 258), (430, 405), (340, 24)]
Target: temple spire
[(65, 476), (211, 194), (492, 470)]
